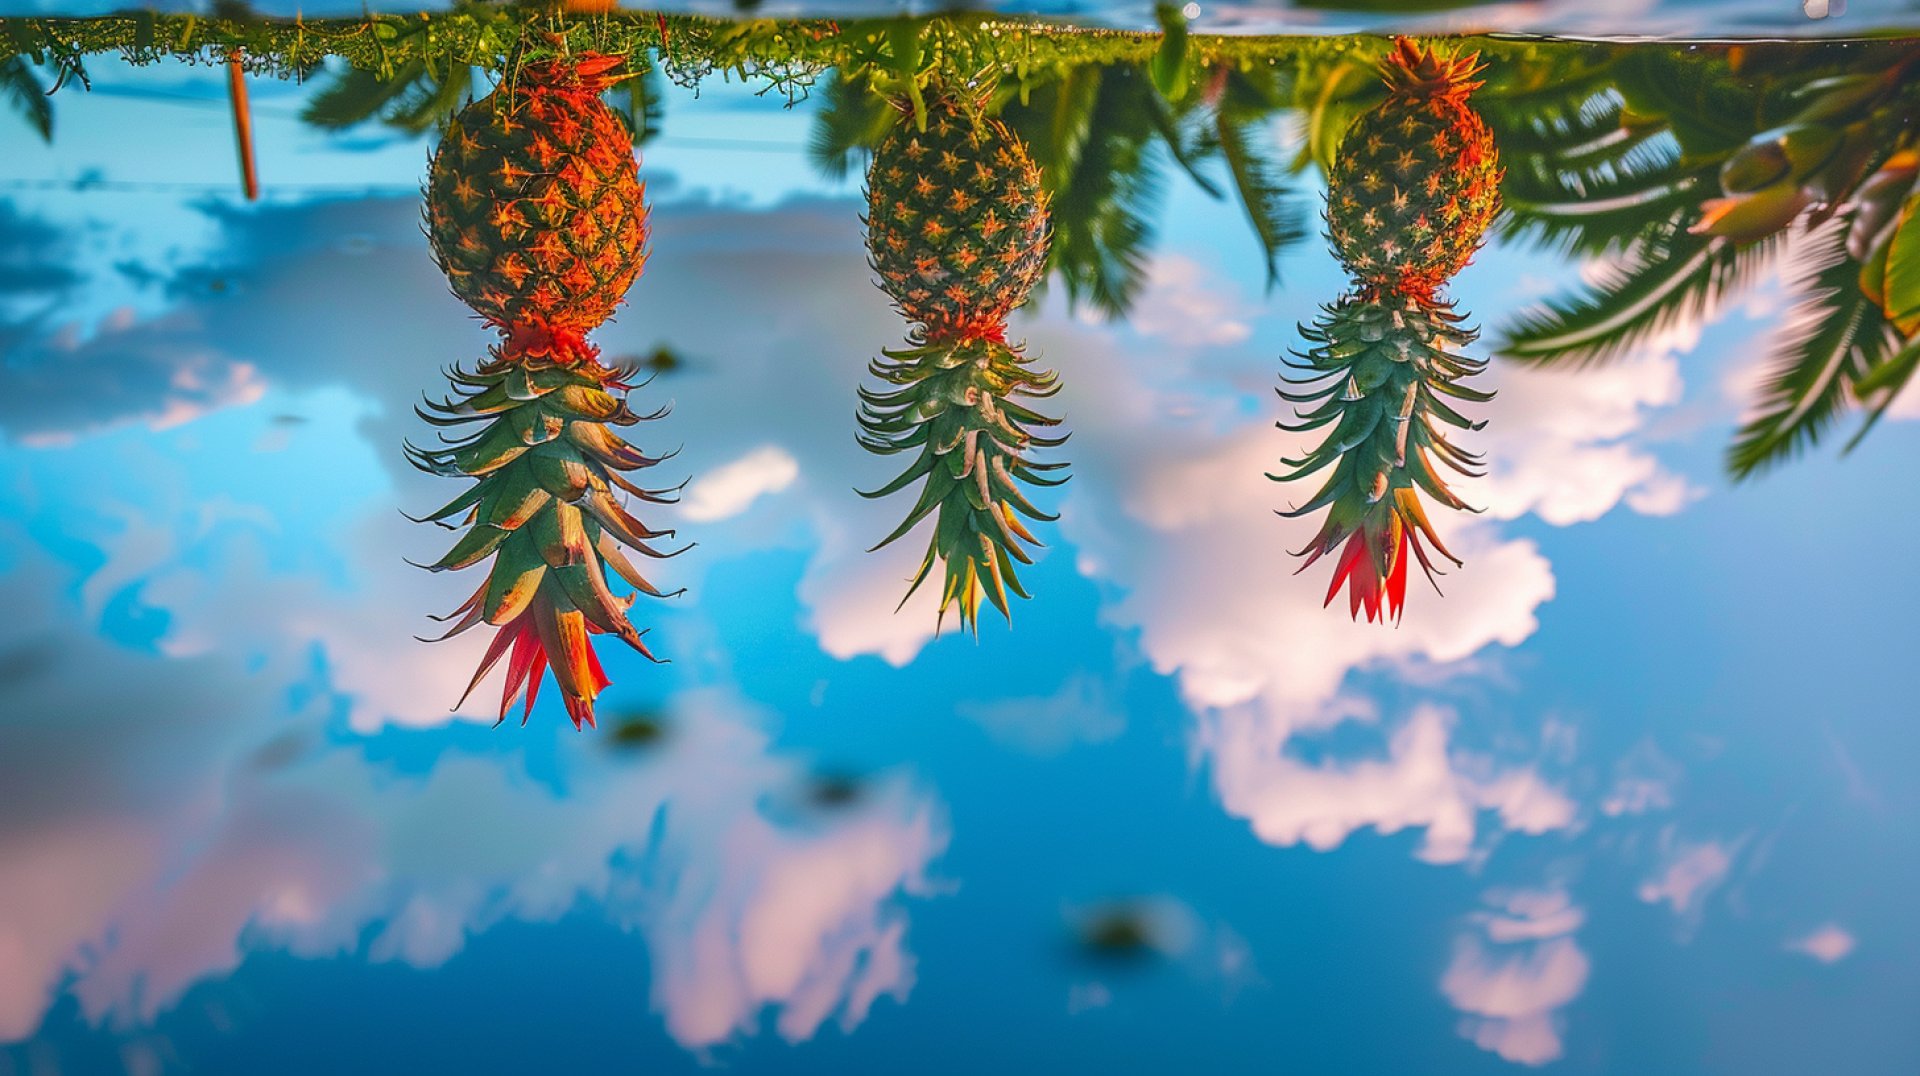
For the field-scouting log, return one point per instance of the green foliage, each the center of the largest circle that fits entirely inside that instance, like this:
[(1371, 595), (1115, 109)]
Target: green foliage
[(959, 407), (1901, 298), (1669, 278), (851, 118), (414, 100), (19, 85), (1092, 135), (1832, 338)]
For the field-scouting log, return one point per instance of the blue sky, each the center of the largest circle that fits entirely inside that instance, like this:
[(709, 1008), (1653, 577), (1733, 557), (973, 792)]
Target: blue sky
[(1636, 795)]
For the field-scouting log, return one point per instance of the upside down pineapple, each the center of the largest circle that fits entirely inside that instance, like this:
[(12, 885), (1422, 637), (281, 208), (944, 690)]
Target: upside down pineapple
[(536, 214), (1413, 189), (957, 231)]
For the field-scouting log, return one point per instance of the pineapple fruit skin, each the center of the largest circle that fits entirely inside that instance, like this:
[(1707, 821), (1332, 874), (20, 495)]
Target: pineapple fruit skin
[(536, 214), (956, 220), (1416, 182), (957, 234), (535, 208)]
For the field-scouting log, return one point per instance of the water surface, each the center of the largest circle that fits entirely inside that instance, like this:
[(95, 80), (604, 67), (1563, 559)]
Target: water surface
[(1635, 795)]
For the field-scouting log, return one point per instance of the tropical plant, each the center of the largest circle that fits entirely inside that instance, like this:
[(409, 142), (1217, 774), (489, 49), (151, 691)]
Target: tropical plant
[(957, 231), (1413, 189), (1104, 135), (1689, 172), (538, 218)]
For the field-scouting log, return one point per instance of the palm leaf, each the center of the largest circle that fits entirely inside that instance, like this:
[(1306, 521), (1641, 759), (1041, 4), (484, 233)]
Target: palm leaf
[(356, 96), (1881, 385), (1586, 181), (1832, 338), (20, 85), (1093, 136), (1672, 277), (1277, 220), (429, 102), (850, 121), (639, 101)]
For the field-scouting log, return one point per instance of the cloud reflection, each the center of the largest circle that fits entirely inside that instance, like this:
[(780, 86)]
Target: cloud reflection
[(1515, 964), (144, 848)]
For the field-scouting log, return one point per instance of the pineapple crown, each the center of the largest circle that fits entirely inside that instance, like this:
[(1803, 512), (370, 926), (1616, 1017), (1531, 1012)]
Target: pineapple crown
[(1420, 72)]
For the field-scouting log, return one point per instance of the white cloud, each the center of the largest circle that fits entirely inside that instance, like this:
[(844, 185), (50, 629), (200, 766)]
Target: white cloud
[(853, 597), (1187, 305), (155, 374), (1643, 781), (1514, 966), (1202, 566), (1828, 943), (1690, 871), (1560, 443), (1420, 783), (731, 489), (190, 820)]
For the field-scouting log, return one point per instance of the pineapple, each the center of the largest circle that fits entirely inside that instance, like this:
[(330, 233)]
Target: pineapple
[(534, 200), (1416, 180), (535, 212), (1410, 197), (957, 230)]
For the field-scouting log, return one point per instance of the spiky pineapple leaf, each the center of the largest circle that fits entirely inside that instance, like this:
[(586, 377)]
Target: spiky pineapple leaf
[(1833, 336), (1661, 281), (20, 85)]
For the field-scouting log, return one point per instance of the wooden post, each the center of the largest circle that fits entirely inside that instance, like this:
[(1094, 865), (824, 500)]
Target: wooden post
[(242, 126)]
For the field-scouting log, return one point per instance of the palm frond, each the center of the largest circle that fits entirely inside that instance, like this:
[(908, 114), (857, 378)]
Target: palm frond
[(20, 85), (1095, 142), (1881, 385), (429, 102), (1661, 281), (640, 102), (850, 121), (357, 95), (1833, 336), (1278, 221)]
